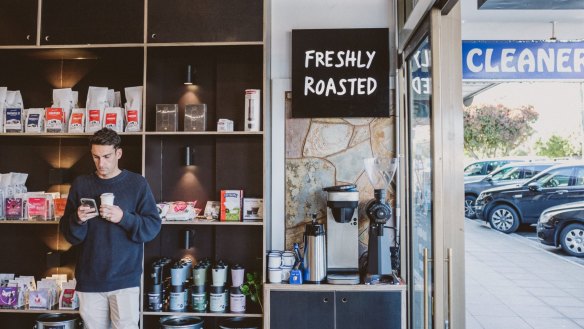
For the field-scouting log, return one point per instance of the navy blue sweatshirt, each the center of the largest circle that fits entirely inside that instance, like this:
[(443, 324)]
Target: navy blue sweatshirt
[(110, 255)]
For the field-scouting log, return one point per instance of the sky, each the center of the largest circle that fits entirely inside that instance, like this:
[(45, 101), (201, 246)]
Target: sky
[(559, 104)]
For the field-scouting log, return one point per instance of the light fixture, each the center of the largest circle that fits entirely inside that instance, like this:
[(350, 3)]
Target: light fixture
[(189, 156), (188, 238), (190, 75), (553, 37)]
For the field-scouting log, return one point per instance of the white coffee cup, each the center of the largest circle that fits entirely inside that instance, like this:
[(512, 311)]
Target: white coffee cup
[(286, 273), (275, 275), (107, 199), (288, 258), (274, 260)]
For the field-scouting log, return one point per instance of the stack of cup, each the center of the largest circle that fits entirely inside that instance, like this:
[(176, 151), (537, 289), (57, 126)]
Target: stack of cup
[(236, 297), (274, 263), (288, 260)]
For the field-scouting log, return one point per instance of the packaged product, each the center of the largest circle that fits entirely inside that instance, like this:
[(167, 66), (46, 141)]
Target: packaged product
[(77, 121), (133, 108), (95, 106), (54, 120), (114, 118), (35, 120), (231, 205)]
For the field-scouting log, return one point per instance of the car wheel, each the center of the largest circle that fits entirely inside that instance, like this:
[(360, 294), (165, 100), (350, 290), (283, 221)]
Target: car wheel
[(504, 219), (572, 239), (469, 204)]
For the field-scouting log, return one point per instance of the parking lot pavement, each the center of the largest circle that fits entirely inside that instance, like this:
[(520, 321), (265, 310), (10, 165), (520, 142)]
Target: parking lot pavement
[(530, 236), (513, 283)]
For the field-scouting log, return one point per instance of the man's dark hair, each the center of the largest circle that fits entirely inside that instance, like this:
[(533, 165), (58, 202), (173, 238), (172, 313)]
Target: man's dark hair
[(106, 136)]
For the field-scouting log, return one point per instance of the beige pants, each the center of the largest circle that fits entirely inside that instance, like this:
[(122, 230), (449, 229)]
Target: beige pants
[(117, 309)]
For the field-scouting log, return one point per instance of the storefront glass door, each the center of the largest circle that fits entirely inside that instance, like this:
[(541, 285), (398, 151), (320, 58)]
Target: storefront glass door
[(419, 84)]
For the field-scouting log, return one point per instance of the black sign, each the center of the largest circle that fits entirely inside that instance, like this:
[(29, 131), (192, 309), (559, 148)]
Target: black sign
[(340, 73)]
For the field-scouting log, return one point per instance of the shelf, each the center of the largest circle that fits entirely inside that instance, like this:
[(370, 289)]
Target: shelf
[(148, 133), (206, 222), (36, 311), (206, 44), (244, 315), (208, 133), (112, 45), (335, 287), (38, 222)]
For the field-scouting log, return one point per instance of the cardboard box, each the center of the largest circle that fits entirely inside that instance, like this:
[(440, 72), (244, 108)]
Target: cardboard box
[(253, 209), (166, 117), (231, 201), (196, 117), (252, 110)]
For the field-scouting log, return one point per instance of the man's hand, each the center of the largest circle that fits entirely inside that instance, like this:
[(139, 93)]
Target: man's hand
[(85, 213), (113, 214)]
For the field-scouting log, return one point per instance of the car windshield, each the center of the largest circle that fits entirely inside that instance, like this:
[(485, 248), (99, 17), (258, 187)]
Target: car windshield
[(508, 173)]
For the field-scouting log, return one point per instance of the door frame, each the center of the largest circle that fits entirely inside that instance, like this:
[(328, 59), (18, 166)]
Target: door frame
[(443, 28)]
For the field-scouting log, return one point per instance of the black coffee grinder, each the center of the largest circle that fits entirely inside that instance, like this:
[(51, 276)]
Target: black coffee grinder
[(380, 172)]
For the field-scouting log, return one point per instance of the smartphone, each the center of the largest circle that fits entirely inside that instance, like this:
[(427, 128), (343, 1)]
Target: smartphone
[(89, 203)]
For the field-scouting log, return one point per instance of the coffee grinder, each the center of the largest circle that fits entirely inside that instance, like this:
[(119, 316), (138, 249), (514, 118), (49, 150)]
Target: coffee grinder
[(343, 234), (380, 172)]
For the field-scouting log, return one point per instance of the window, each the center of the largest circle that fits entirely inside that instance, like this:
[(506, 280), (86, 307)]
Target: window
[(557, 178)]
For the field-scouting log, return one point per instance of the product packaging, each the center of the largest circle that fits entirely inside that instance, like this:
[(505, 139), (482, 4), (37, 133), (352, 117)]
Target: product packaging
[(166, 117), (11, 297), (3, 91), (252, 110), (64, 99), (212, 210), (133, 108), (225, 125), (231, 205), (13, 120), (181, 210), (95, 107), (196, 117), (77, 121), (114, 119), (55, 120), (39, 299), (35, 120), (68, 300), (253, 209)]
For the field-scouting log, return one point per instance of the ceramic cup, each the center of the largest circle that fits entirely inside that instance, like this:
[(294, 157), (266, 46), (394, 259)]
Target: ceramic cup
[(286, 273), (275, 275), (274, 260), (288, 258), (107, 199)]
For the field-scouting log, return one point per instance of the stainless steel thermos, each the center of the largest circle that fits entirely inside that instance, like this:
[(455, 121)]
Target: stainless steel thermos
[(314, 252)]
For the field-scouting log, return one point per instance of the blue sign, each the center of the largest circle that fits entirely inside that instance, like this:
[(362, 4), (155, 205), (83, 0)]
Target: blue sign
[(522, 60)]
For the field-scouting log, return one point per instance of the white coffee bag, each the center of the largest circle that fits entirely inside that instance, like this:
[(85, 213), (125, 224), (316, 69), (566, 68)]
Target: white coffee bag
[(77, 121), (133, 108), (95, 106), (63, 98), (35, 119), (114, 119)]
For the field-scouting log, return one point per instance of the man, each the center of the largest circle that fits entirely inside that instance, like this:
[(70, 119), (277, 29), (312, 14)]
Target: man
[(110, 238)]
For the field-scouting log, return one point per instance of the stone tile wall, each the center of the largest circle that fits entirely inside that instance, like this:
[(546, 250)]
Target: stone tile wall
[(327, 152)]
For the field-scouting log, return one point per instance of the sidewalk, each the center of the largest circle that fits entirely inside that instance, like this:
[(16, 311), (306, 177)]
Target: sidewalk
[(511, 284)]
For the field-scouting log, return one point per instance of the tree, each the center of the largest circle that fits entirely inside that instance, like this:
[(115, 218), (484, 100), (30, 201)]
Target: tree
[(556, 147), (495, 130)]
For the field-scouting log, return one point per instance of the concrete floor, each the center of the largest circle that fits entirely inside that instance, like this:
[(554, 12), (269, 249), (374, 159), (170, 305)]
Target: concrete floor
[(512, 283)]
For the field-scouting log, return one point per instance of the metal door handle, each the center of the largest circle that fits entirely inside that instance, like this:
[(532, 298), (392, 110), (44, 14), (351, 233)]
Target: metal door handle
[(450, 260), (426, 302), (561, 191)]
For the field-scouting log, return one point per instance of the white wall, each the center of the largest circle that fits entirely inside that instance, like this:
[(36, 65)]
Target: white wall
[(286, 15)]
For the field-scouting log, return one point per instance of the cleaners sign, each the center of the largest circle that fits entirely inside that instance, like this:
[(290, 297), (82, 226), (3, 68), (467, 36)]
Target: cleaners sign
[(522, 60), (340, 73)]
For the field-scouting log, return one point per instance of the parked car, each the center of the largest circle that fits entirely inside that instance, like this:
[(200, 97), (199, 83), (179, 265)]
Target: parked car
[(511, 173), (479, 169), (507, 207), (563, 226)]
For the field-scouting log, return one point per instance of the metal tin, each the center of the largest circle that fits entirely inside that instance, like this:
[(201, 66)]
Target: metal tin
[(57, 320), (199, 299), (182, 322), (236, 300), (240, 323), (217, 299), (177, 301)]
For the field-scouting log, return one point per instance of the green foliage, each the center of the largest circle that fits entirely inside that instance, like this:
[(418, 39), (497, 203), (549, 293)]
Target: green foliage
[(556, 147), (496, 130), (252, 287)]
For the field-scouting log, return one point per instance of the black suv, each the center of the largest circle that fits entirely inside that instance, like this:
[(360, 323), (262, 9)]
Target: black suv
[(563, 226), (511, 173), (506, 207)]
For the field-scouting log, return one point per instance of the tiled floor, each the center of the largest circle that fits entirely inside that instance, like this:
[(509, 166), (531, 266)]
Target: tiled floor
[(512, 284)]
